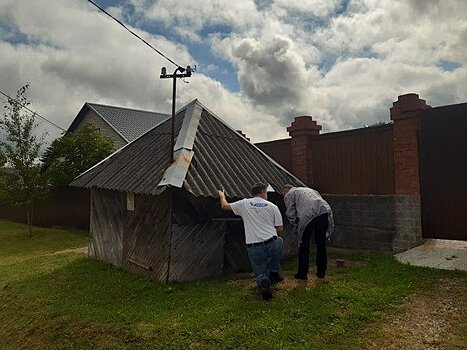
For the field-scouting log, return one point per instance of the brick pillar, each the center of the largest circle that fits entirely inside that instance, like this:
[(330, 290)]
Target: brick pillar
[(301, 131), (406, 116)]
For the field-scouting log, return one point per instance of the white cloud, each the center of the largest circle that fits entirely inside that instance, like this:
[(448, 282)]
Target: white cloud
[(292, 58)]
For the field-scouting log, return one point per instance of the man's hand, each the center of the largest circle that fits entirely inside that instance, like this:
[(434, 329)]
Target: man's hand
[(280, 230), (224, 204)]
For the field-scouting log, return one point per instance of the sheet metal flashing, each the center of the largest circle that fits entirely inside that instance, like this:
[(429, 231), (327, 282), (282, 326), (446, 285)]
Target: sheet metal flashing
[(187, 134), (176, 172)]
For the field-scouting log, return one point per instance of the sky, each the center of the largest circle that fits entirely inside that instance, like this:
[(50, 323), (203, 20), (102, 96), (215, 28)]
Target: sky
[(260, 63)]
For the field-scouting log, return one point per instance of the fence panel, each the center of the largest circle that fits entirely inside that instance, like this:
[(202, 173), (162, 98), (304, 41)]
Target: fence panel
[(279, 150), (359, 161), (443, 172), (67, 207)]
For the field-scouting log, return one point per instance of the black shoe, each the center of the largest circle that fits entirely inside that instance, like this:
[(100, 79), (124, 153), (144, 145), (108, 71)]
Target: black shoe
[(266, 289), (275, 277), (266, 294), (320, 276), (300, 277)]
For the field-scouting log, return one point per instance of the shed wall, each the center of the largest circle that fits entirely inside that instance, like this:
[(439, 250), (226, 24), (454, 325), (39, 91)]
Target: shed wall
[(147, 236), (106, 226), (197, 251)]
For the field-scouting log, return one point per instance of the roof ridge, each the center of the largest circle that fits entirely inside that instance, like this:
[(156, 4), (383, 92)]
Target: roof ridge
[(109, 123), (129, 109), (121, 148)]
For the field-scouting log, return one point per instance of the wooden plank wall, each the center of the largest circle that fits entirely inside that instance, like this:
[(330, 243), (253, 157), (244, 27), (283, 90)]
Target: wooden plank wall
[(359, 161), (235, 253), (197, 251), (139, 240), (146, 236), (106, 226)]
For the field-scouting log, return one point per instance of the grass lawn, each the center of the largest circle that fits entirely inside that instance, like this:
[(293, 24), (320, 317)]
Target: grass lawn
[(64, 300)]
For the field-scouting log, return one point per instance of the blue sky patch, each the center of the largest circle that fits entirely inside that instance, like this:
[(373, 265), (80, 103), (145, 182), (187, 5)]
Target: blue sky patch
[(449, 66)]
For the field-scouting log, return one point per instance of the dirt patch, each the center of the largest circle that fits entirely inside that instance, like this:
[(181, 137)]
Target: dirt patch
[(80, 250), (430, 321), (247, 285)]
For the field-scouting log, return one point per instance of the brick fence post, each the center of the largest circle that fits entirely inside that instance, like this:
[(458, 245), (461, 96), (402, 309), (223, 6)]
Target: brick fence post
[(405, 113), (301, 131), (406, 116)]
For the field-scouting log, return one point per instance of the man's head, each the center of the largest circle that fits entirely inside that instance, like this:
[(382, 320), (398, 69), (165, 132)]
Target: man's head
[(260, 189), (286, 188)]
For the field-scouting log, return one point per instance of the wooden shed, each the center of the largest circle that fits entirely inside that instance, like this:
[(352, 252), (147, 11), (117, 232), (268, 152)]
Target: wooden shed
[(162, 219)]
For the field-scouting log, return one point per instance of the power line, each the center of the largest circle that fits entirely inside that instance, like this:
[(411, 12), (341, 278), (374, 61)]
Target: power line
[(34, 113), (136, 35)]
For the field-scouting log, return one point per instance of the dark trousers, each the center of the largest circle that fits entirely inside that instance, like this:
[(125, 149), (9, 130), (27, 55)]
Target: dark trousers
[(318, 226)]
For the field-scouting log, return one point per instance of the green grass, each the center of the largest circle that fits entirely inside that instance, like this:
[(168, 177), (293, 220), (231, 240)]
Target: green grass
[(65, 301)]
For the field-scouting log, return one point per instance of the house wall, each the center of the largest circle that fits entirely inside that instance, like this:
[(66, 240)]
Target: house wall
[(105, 129)]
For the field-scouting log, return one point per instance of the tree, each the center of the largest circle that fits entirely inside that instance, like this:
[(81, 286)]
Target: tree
[(22, 182), (74, 153)]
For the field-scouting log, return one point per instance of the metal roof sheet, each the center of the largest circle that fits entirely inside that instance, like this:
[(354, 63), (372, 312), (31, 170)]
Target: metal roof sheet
[(219, 157), (129, 123)]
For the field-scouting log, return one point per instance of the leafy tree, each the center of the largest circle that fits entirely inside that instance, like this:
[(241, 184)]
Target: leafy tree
[(74, 153), (22, 182)]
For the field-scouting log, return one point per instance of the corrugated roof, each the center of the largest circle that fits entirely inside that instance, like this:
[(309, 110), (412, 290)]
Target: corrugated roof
[(129, 123), (137, 167), (210, 156)]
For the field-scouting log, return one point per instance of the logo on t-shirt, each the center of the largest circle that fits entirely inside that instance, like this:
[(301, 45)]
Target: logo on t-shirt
[(259, 205)]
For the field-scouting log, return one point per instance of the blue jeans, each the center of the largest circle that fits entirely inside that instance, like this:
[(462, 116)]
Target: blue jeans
[(265, 258)]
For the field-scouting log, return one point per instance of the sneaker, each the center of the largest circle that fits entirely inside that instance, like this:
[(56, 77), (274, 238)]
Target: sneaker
[(320, 276), (275, 277), (300, 277), (265, 286)]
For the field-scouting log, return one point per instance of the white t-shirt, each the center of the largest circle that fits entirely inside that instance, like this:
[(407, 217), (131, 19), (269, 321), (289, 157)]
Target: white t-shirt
[(260, 218)]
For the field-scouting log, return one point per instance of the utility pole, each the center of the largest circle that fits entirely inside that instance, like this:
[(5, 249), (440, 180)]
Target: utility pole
[(179, 72)]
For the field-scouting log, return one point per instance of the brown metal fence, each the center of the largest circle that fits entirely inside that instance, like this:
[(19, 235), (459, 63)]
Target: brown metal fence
[(67, 207), (443, 172), (359, 161), (279, 150)]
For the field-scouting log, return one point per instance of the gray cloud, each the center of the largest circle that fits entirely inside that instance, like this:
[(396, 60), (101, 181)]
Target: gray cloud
[(344, 69), (270, 74)]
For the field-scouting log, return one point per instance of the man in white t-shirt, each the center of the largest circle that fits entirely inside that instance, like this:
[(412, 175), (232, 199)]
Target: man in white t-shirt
[(262, 221)]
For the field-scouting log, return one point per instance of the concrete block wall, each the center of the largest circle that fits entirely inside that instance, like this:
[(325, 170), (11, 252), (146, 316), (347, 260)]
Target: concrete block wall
[(407, 222), (380, 223)]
